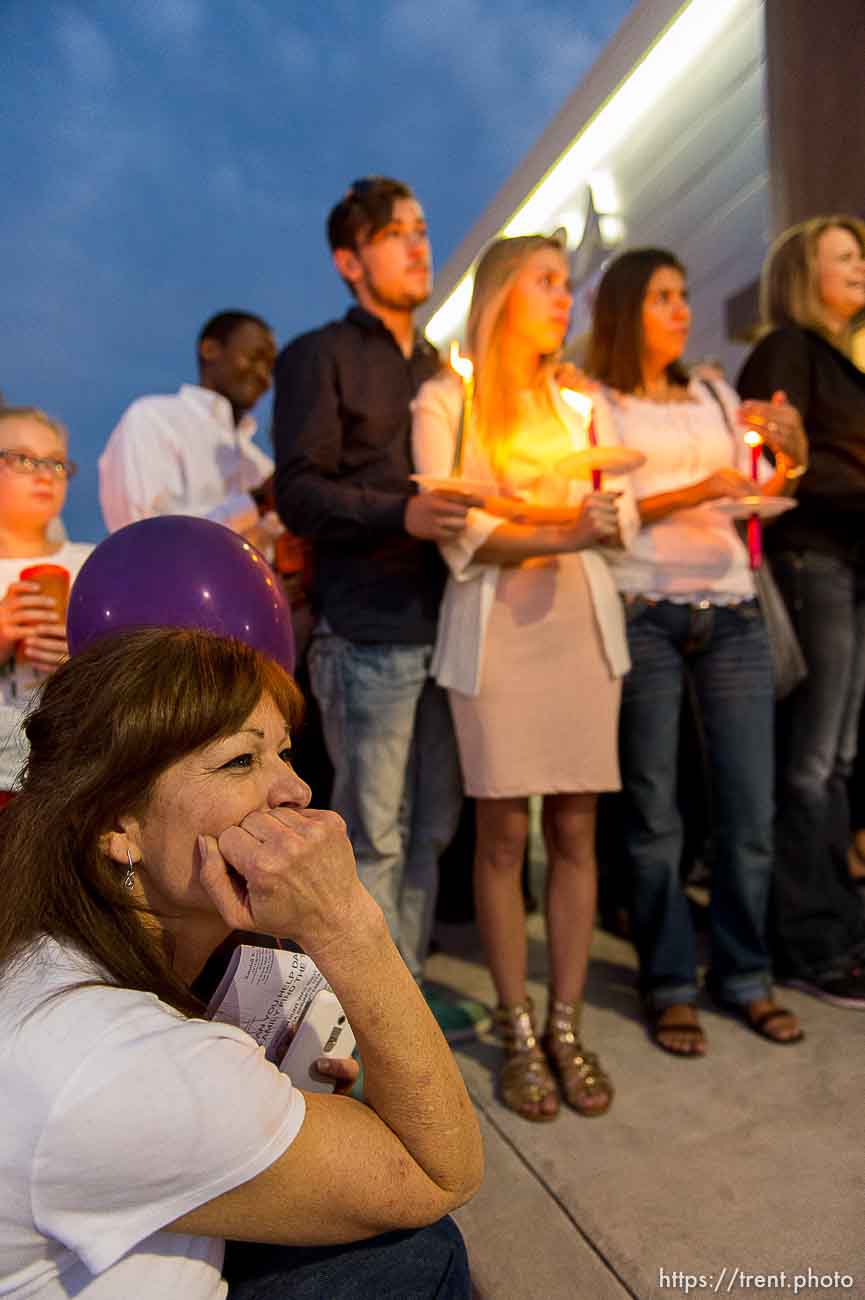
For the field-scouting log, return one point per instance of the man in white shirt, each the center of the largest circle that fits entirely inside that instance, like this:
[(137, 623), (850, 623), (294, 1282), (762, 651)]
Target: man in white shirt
[(191, 453)]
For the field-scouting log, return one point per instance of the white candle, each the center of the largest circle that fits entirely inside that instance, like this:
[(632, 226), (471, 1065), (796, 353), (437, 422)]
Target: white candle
[(463, 367), (584, 407)]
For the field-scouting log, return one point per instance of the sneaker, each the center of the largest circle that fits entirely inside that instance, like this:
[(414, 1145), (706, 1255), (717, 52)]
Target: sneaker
[(844, 990), (459, 1019)]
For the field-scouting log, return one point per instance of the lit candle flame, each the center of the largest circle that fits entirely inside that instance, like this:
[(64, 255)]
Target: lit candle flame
[(462, 365), (584, 408), (578, 402), (753, 438)]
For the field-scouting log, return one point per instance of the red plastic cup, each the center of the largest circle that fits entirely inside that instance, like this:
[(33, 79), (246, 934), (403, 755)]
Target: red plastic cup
[(53, 581)]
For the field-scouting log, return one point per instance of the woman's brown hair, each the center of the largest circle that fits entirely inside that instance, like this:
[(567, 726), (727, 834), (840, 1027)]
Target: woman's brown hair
[(108, 723), (615, 352), (789, 287)]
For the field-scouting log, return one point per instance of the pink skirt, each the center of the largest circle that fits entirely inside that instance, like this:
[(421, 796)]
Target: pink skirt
[(546, 718)]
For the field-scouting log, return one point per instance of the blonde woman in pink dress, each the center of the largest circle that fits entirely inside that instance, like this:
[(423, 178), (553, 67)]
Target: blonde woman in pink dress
[(531, 647)]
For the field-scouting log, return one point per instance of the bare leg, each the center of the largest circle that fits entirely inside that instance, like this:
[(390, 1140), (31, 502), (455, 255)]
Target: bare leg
[(569, 831), (501, 830), (572, 887)]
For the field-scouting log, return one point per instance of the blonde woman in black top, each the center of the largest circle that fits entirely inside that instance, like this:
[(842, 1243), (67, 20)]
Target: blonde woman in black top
[(813, 289)]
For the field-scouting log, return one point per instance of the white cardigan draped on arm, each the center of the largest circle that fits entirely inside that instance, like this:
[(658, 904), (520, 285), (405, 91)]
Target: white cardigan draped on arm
[(471, 588)]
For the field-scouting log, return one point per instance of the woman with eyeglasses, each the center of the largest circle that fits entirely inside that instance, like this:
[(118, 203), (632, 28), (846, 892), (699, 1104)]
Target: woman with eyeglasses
[(34, 471)]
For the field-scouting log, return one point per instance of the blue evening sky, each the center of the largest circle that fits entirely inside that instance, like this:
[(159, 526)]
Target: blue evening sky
[(166, 159)]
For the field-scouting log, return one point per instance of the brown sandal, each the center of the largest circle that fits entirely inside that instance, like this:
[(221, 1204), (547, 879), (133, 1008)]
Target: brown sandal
[(762, 1022), (580, 1074), (525, 1079), (662, 1024)]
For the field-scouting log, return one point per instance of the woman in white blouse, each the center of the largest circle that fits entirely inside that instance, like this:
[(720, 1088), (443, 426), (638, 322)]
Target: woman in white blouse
[(531, 647), (692, 616)]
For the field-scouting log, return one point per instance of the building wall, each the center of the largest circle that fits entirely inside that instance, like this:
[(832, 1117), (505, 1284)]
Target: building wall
[(690, 171), (694, 178)]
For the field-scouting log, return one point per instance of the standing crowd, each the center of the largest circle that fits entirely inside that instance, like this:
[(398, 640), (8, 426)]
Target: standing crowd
[(530, 631)]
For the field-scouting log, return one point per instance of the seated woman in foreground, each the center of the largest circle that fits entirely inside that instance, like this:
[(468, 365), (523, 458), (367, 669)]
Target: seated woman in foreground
[(160, 812)]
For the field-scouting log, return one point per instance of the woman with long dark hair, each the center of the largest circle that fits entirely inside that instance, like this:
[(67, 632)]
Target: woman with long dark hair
[(159, 813), (813, 290), (692, 618), (531, 648)]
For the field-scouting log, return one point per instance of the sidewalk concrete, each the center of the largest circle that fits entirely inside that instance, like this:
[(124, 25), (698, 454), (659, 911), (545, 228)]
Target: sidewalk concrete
[(745, 1167)]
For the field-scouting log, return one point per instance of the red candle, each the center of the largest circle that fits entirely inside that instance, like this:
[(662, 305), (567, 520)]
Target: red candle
[(755, 528), (755, 542), (593, 442)]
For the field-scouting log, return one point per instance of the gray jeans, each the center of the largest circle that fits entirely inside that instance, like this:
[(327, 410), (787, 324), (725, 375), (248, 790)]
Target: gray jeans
[(388, 731)]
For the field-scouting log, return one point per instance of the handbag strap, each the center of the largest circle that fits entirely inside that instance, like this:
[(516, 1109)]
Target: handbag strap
[(707, 384)]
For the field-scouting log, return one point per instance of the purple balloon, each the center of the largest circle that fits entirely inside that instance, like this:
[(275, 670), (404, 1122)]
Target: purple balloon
[(175, 571)]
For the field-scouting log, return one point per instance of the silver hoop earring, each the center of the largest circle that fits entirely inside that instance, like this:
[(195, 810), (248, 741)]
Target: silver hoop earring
[(129, 874)]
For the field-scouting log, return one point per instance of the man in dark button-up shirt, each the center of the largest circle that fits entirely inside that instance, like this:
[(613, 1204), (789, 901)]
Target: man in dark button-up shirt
[(342, 427), (342, 432)]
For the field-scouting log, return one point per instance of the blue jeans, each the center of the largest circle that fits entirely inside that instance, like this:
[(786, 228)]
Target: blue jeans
[(429, 1264), (818, 926), (725, 652), (389, 734)]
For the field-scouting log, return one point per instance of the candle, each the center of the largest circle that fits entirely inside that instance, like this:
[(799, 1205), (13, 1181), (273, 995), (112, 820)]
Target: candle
[(593, 442), (755, 529), (463, 367), (585, 408)]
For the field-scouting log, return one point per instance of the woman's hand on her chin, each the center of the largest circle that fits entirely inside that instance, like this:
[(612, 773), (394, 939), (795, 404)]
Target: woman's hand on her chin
[(289, 872)]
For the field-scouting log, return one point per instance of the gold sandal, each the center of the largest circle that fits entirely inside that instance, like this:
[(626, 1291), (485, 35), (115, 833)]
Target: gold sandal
[(525, 1078), (580, 1074)]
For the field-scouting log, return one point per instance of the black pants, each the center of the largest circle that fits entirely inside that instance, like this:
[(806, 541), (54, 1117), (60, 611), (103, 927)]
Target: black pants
[(428, 1264), (818, 926)]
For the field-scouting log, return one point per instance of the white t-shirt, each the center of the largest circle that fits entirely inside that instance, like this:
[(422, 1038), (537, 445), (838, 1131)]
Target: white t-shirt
[(18, 684), (118, 1115)]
